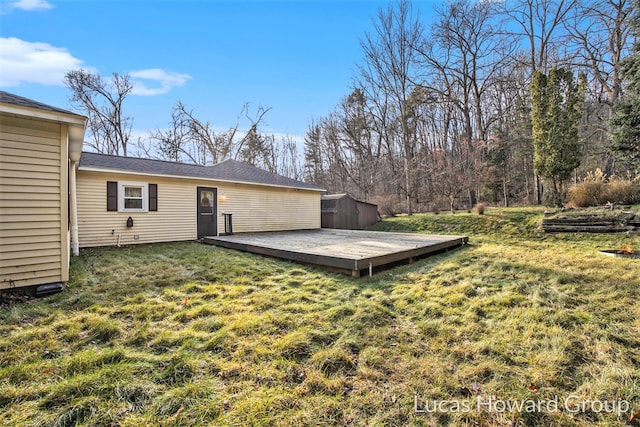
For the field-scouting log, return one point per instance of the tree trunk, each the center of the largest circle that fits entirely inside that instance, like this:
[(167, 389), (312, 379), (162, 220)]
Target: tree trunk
[(504, 193), (408, 186)]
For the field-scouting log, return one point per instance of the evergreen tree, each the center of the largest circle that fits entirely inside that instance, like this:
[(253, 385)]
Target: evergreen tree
[(556, 102), (626, 120)]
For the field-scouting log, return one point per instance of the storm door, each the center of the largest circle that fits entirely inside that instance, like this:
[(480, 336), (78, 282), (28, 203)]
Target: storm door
[(207, 206)]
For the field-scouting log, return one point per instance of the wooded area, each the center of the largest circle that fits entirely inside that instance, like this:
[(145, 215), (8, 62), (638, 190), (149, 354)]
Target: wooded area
[(442, 116), (445, 115)]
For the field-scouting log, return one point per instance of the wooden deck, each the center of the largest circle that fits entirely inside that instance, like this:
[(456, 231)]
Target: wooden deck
[(345, 251)]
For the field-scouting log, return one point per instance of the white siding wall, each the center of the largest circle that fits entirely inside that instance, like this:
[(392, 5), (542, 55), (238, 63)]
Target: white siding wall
[(254, 208), (33, 202)]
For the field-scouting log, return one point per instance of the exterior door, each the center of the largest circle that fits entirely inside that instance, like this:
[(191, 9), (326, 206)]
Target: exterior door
[(207, 206)]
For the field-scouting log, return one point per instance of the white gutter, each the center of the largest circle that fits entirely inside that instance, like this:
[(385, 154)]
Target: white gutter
[(76, 141), (74, 209)]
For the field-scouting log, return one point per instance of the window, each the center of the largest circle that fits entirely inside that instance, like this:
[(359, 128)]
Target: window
[(132, 196)]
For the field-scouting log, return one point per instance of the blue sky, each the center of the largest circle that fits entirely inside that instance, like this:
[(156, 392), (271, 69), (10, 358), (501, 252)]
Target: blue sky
[(296, 57)]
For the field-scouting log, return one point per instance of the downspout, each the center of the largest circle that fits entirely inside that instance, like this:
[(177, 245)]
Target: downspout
[(74, 209), (76, 138)]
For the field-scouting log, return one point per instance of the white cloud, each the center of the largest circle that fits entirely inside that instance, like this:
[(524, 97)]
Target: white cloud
[(27, 62), (27, 5), (155, 81), (34, 62)]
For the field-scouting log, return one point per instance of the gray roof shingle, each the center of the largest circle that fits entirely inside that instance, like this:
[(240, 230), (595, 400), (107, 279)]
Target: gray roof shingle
[(10, 98), (228, 170)]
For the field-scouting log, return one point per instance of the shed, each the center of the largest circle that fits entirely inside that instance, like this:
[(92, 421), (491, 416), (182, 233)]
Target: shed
[(39, 148), (345, 212)]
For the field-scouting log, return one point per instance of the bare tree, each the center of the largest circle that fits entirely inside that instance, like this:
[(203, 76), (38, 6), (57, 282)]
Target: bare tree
[(174, 142), (461, 59), (388, 74), (252, 140), (282, 157), (538, 23), (361, 145), (101, 100), (194, 140), (313, 162), (601, 32), (600, 39)]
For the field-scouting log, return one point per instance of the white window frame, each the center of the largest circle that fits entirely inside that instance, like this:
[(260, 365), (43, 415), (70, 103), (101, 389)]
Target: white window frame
[(145, 196)]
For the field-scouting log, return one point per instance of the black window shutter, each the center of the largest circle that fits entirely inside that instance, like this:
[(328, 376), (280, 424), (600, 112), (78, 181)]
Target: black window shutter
[(112, 196), (153, 197)]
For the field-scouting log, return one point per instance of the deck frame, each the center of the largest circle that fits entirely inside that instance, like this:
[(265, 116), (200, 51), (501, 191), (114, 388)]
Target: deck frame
[(350, 252)]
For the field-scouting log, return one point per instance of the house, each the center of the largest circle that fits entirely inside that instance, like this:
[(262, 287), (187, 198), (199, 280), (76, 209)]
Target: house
[(345, 212), (55, 199), (124, 200), (39, 148)]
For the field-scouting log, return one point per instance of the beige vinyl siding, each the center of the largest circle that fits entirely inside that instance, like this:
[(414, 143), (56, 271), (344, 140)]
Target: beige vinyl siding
[(260, 208), (175, 219), (254, 208), (33, 202)]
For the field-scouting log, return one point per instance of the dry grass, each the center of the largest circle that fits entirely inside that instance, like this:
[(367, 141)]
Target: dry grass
[(186, 334), (595, 190)]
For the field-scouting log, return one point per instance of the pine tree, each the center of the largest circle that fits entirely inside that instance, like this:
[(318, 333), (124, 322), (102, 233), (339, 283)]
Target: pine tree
[(556, 102)]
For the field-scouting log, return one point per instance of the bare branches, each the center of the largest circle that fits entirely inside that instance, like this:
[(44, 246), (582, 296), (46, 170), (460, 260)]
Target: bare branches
[(539, 23), (102, 101), (388, 77), (190, 139), (251, 137)]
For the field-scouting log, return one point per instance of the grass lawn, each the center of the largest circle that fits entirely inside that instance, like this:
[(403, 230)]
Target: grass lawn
[(188, 334)]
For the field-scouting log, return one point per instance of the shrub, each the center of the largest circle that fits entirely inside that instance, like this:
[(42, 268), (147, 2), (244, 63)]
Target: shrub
[(595, 190), (589, 192), (585, 194), (623, 191)]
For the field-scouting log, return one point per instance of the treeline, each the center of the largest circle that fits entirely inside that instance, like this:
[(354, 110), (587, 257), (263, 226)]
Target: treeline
[(440, 116)]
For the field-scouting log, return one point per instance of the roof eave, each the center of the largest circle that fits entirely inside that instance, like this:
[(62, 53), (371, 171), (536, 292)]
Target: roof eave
[(54, 116)]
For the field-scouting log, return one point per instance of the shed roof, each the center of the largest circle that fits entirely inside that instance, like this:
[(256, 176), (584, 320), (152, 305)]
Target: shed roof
[(330, 200), (228, 170), (335, 196)]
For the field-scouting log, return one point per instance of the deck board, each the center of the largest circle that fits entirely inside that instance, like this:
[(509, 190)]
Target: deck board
[(348, 251)]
